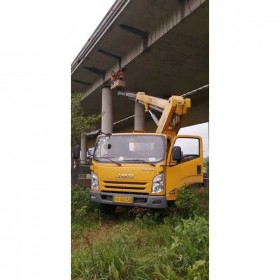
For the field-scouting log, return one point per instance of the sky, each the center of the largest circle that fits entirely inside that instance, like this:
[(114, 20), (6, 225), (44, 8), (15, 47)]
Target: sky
[(39, 41), (87, 15)]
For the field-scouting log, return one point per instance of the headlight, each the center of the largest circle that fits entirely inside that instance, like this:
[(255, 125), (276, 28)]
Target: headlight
[(158, 183), (94, 181)]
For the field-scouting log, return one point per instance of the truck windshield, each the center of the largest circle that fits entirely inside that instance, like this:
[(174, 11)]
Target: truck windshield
[(130, 148)]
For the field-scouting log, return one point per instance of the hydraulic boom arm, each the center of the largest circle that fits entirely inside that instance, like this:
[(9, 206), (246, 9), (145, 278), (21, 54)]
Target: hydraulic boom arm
[(173, 110)]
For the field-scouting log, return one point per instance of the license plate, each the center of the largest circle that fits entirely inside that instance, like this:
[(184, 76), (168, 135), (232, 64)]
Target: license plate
[(123, 199)]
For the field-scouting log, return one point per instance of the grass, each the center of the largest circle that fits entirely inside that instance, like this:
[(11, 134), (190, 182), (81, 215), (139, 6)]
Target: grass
[(145, 246)]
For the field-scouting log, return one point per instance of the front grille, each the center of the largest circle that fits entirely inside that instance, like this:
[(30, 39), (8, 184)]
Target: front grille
[(140, 193), (124, 185)]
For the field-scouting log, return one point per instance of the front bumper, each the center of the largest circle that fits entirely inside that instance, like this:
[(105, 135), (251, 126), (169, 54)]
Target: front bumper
[(137, 200)]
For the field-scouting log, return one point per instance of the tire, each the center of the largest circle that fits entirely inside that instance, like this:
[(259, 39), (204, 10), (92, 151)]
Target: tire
[(108, 208)]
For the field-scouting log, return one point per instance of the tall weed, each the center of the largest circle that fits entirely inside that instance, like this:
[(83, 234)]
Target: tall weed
[(186, 205), (131, 251), (190, 243), (143, 245), (83, 212)]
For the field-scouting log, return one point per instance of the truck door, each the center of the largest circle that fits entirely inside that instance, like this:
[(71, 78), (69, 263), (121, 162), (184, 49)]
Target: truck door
[(187, 170)]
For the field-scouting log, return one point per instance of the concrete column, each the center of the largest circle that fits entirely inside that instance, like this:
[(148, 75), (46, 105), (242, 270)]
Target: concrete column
[(139, 118), (107, 111), (83, 155)]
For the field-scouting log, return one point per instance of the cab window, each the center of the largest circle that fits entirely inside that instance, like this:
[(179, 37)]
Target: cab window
[(189, 147)]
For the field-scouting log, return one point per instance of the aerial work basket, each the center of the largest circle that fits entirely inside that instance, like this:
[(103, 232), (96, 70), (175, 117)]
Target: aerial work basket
[(117, 80)]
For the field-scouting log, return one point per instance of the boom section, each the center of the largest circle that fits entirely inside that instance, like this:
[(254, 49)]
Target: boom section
[(174, 111)]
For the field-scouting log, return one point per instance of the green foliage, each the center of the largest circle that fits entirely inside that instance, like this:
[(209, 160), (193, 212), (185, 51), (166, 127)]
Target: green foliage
[(206, 164), (198, 271), (190, 243), (79, 122), (82, 210), (140, 244), (164, 272), (145, 217), (186, 203), (202, 195), (131, 251)]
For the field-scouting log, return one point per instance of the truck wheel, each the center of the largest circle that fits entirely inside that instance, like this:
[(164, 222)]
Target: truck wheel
[(108, 208)]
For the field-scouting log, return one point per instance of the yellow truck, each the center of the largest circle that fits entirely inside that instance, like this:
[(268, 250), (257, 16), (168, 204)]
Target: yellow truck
[(147, 169)]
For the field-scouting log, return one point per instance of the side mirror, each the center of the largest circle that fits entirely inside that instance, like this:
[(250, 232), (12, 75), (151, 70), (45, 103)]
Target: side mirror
[(90, 153), (76, 152), (177, 153)]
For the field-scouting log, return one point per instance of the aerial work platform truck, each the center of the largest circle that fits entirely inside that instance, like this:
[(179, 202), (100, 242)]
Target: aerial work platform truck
[(147, 169)]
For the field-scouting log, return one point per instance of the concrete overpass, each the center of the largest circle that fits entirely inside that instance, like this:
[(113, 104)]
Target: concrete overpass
[(163, 47)]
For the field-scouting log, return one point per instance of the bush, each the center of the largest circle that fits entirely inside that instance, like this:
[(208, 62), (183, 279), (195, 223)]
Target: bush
[(145, 217), (81, 207), (190, 245), (202, 195), (186, 203)]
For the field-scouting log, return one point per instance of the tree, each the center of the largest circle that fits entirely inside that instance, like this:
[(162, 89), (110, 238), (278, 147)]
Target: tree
[(79, 122)]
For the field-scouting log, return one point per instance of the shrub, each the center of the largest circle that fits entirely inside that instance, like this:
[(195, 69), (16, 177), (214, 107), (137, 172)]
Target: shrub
[(145, 217), (202, 195), (198, 271), (186, 203), (190, 244), (81, 207)]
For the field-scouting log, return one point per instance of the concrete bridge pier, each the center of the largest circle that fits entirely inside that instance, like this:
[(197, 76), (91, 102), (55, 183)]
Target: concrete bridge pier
[(83, 155), (107, 111), (139, 117)]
